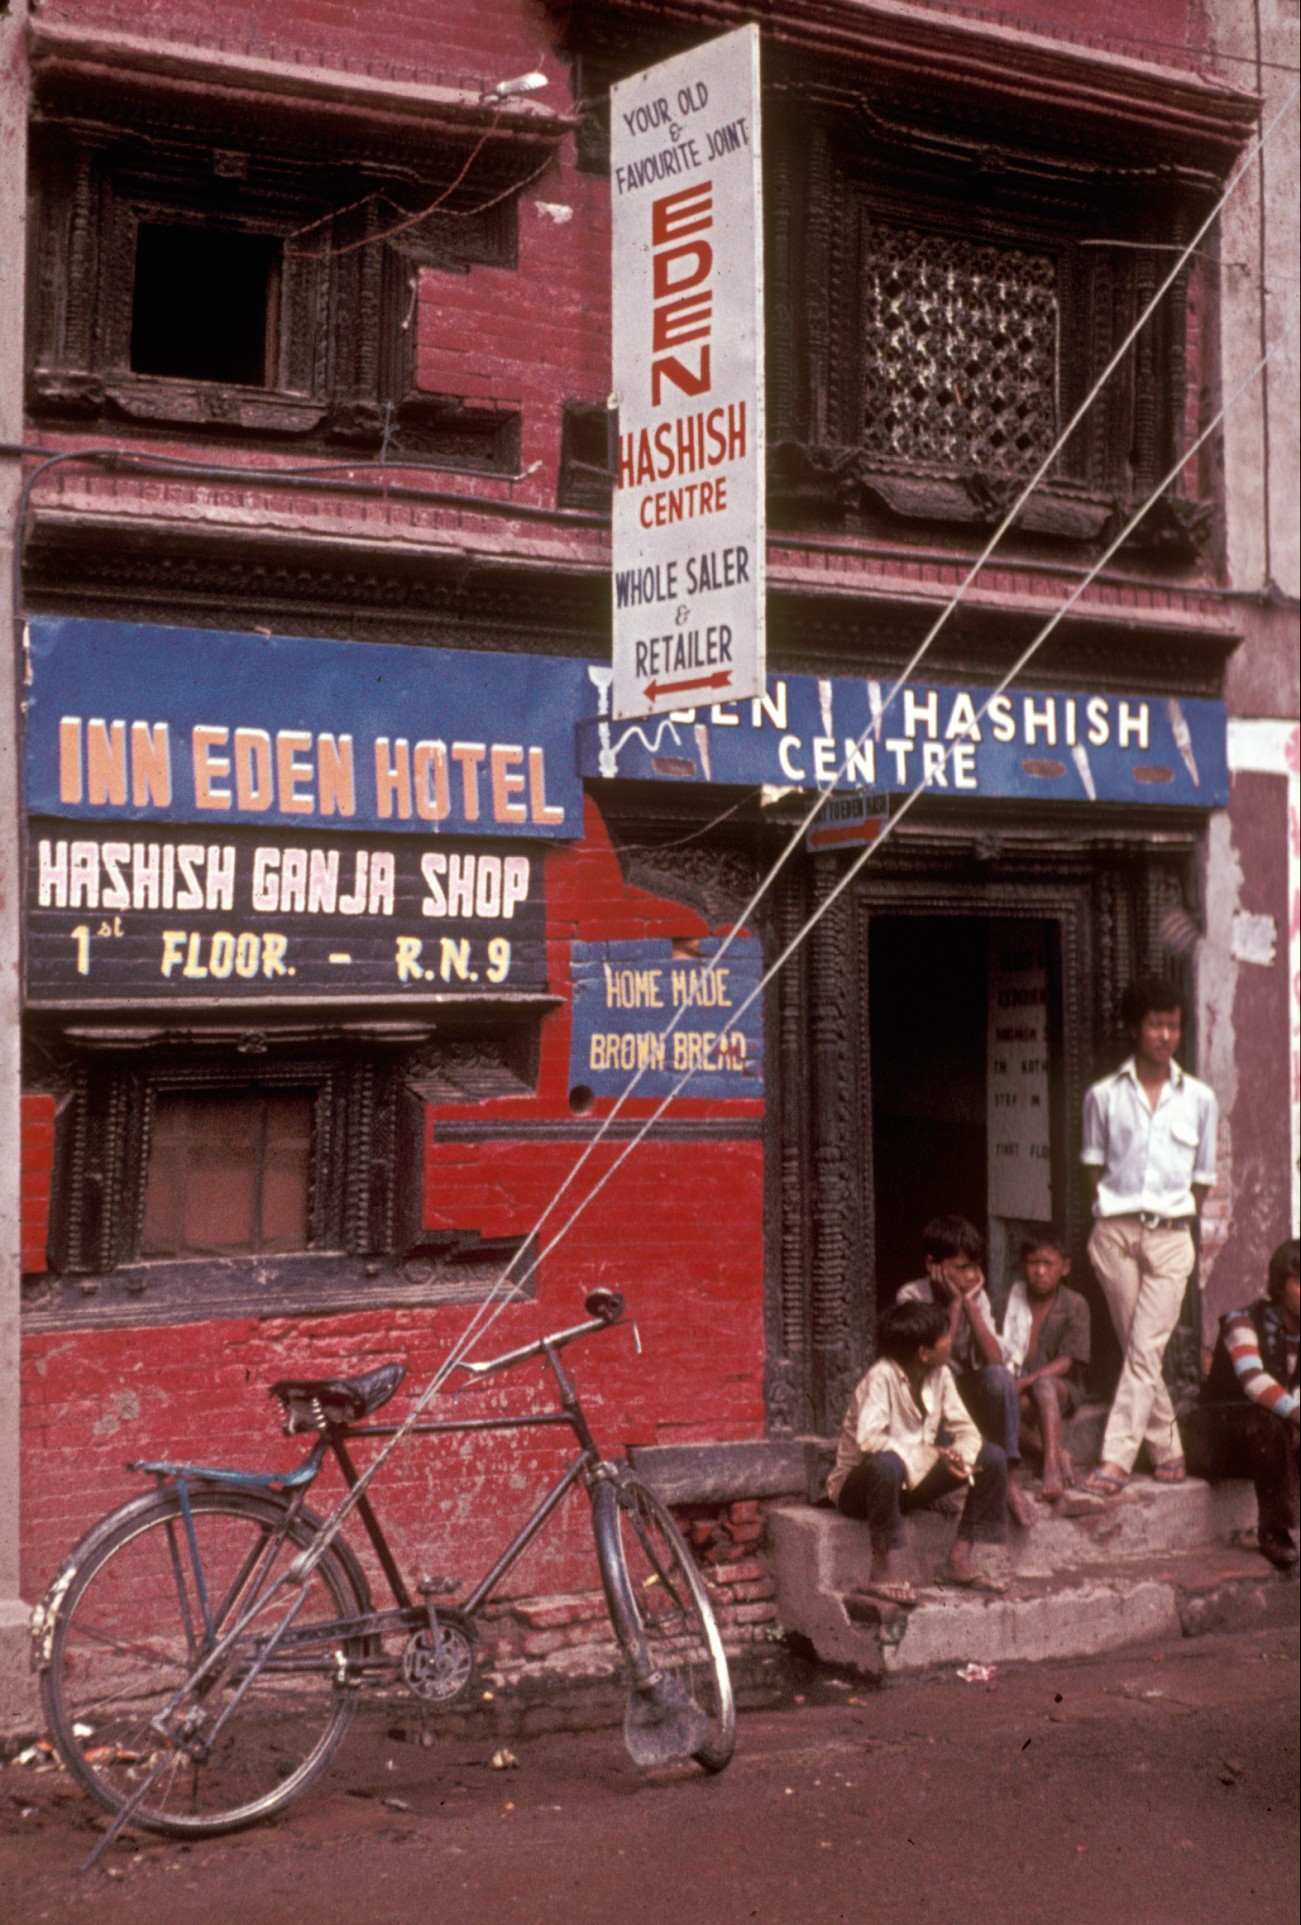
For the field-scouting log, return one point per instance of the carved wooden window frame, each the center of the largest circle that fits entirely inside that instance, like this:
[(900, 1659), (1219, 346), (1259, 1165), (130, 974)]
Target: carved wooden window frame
[(829, 177), (352, 1204), (366, 1182), (346, 356)]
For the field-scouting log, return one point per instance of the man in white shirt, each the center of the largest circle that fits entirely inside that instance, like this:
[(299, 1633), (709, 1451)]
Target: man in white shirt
[(1149, 1145)]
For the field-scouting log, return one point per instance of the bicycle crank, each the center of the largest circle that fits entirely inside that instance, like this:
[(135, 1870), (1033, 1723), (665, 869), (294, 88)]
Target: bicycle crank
[(438, 1662)]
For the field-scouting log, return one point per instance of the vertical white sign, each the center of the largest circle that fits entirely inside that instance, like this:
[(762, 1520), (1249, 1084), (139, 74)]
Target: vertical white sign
[(1020, 1169), (687, 245)]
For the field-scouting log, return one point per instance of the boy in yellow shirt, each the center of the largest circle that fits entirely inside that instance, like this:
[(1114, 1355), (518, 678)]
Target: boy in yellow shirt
[(907, 1439)]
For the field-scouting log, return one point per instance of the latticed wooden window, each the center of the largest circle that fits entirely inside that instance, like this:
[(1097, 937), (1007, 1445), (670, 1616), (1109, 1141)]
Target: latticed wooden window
[(961, 352)]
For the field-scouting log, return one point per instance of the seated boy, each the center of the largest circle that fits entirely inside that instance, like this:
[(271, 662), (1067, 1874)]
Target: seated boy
[(955, 1279), (906, 1440), (1247, 1422), (1046, 1336)]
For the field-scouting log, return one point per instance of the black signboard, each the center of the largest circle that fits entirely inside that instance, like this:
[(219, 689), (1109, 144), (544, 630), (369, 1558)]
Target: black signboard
[(180, 914)]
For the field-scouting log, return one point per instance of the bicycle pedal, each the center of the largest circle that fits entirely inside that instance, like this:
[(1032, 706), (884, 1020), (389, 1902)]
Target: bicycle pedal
[(438, 1586)]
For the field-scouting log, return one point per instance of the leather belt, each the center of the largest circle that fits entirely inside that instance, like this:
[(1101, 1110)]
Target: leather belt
[(1151, 1222)]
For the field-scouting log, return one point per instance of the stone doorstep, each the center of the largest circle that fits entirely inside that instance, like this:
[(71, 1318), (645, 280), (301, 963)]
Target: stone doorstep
[(1081, 1436), (1185, 1593), (1159, 1562), (1149, 1518)]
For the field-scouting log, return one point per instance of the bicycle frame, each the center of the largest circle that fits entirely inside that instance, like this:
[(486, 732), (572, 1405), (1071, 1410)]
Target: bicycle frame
[(586, 1467), (354, 1641)]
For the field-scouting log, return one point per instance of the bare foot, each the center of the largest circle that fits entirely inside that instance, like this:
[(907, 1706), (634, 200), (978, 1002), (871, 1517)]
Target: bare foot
[(1054, 1481), (1019, 1507), (888, 1591)]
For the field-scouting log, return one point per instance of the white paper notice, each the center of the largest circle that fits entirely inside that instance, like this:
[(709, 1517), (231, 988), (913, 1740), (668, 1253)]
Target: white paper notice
[(1020, 1170), (687, 244)]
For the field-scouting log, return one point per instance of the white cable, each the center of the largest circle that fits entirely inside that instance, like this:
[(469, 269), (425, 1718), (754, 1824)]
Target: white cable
[(918, 654), (872, 847), (506, 1287)]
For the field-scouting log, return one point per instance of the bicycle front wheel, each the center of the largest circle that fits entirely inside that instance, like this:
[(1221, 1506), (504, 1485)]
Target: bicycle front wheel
[(661, 1612), (135, 1621)]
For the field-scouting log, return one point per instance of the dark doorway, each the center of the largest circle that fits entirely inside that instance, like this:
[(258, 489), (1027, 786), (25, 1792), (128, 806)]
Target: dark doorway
[(928, 1011)]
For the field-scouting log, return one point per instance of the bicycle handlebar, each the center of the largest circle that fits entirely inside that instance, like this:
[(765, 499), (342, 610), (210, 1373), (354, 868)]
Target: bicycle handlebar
[(605, 1308)]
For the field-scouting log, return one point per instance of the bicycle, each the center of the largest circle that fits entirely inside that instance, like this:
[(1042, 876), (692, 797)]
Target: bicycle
[(203, 1648)]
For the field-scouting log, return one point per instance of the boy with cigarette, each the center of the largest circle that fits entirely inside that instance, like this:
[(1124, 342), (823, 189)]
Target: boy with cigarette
[(907, 1439)]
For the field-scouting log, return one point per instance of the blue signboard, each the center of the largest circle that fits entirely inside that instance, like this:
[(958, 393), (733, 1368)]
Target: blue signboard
[(1025, 744), (626, 996), (131, 723), (128, 723)]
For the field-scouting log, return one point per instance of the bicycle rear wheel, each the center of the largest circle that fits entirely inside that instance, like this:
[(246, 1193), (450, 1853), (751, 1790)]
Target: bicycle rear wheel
[(662, 1615), (134, 1622)]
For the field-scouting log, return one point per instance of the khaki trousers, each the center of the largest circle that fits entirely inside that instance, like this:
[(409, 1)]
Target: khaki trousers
[(1143, 1274)]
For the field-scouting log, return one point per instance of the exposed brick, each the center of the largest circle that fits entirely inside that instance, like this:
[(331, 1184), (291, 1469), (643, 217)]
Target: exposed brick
[(550, 1613), (755, 1613), (734, 1573), (747, 1533), (744, 1512)]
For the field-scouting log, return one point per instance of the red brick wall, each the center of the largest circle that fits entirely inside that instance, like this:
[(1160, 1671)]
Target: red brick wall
[(679, 1231), (531, 338), (448, 41)]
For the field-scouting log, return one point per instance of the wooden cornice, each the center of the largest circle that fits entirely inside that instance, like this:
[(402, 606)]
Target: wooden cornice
[(80, 57), (889, 43)]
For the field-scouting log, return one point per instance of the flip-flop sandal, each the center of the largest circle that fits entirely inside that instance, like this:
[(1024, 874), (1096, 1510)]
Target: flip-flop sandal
[(901, 1595), (976, 1581), (1173, 1471), (1102, 1484)]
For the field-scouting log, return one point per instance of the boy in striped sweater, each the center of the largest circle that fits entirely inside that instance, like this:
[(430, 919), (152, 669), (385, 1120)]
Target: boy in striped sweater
[(1247, 1422)]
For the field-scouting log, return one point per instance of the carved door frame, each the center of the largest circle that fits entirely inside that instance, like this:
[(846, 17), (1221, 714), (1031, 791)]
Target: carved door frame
[(1118, 905)]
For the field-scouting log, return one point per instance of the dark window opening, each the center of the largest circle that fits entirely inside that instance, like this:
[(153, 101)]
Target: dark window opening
[(204, 304), (228, 1174), (588, 440), (188, 282)]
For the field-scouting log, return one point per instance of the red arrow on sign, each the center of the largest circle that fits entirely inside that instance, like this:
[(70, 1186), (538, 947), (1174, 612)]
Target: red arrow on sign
[(720, 679)]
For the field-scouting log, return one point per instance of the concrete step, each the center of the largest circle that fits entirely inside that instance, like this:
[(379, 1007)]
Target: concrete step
[(1148, 1518), (1184, 1593), (1130, 1571)]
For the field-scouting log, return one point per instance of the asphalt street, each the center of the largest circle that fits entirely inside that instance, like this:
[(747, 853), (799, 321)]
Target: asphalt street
[(1158, 1787)]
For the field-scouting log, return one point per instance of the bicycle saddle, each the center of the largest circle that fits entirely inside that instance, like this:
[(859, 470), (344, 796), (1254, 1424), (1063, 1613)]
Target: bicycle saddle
[(318, 1403)]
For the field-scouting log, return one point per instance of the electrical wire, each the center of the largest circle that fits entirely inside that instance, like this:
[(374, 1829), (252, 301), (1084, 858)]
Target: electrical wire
[(819, 803), (414, 220), (928, 781), (507, 1288), (509, 1285)]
